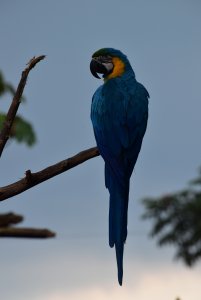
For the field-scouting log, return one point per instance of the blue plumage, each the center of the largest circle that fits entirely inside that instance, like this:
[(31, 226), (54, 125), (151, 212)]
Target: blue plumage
[(119, 115)]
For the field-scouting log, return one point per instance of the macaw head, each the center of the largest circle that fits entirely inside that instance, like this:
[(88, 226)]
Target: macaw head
[(109, 62)]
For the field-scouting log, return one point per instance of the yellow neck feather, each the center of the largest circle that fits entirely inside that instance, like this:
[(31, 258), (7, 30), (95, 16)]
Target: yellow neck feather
[(119, 68)]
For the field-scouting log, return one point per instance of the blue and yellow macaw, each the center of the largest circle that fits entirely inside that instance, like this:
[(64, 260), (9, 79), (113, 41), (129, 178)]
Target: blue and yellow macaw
[(119, 114)]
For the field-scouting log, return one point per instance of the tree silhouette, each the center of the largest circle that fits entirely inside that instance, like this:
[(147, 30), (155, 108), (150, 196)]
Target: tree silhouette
[(177, 220)]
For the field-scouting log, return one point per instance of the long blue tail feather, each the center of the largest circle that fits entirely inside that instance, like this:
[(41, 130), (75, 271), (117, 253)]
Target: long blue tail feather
[(118, 217)]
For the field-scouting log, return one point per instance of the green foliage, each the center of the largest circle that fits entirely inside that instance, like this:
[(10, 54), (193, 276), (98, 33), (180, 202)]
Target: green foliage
[(177, 220), (2, 85), (22, 131), (5, 86)]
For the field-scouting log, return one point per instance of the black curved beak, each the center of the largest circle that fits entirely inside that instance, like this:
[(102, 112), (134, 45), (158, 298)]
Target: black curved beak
[(97, 67)]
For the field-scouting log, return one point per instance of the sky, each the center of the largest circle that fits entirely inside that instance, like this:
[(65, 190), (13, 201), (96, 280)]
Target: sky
[(163, 43)]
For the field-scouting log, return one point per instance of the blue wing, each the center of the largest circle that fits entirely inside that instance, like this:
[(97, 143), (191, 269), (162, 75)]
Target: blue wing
[(119, 120)]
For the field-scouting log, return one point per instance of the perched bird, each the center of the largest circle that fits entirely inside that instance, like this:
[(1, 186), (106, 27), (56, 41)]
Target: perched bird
[(119, 114)]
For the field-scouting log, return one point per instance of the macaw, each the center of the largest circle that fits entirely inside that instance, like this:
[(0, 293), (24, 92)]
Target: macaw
[(119, 114)]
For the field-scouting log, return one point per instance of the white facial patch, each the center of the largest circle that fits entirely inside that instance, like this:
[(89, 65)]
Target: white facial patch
[(109, 66)]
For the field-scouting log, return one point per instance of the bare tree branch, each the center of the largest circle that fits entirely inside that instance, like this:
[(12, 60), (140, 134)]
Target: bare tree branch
[(5, 132), (32, 179), (25, 232), (9, 231), (9, 219)]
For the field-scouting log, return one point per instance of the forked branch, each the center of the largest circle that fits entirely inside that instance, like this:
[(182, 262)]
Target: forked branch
[(32, 179)]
